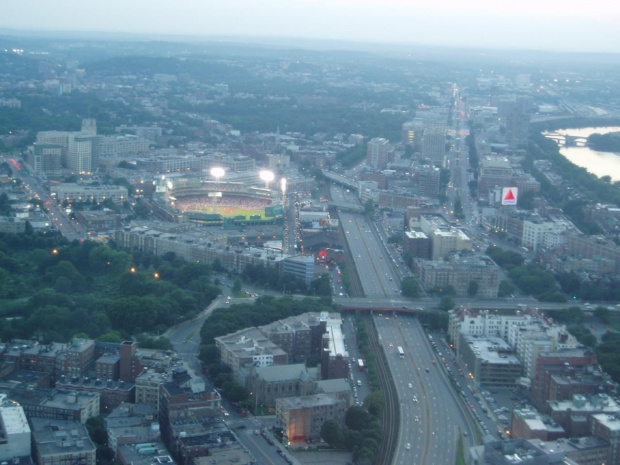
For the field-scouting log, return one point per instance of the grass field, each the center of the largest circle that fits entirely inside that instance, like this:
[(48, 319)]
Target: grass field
[(228, 211)]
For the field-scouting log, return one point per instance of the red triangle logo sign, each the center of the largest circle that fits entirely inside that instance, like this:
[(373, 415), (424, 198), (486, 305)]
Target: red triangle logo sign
[(509, 196)]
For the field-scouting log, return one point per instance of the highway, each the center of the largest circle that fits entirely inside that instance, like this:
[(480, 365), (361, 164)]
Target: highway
[(424, 303), (374, 265), (372, 262), (432, 417)]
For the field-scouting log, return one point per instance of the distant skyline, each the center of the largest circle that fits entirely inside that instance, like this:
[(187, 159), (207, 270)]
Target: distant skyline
[(570, 25)]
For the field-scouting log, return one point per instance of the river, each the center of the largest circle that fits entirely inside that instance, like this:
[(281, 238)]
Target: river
[(597, 163)]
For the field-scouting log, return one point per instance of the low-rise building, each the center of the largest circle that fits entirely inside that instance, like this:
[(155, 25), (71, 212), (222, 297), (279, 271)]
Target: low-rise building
[(525, 451), (59, 442), (528, 424), (446, 242), (299, 336), (536, 337), (247, 348), (607, 427), (266, 384), (459, 273), (574, 415), (586, 450), (72, 192), (147, 453), (184, 401), (302, 417), (490, 361), (231, 453), (551, 363), (11, 225), (48, 358), (483, 323), (300, 266), (131, 424), (334, 355), (14, 431), (58, 404), (418, 245), (98, 220), (113, 393)]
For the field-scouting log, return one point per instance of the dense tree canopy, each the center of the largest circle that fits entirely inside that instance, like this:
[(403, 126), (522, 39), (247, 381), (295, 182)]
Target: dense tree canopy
[(61, 289)]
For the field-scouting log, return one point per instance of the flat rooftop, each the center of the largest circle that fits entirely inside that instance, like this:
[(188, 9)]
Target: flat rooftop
[(492, 350)]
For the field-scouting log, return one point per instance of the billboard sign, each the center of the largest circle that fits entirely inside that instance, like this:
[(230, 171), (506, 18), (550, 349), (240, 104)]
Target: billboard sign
[(509, 195)]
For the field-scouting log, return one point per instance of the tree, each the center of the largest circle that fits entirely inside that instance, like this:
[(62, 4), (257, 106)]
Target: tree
[(313, 360), (602, 313), (526, 199), (375, 403), (356, 418), (112, 336), (322, 285), (237, 393), (141, 211), (572, 315), (458, 209), (506, 288), (410, 287), (209, 354), (369, 208), (446, 303), (472, 289), (331, 433), (473, 187)]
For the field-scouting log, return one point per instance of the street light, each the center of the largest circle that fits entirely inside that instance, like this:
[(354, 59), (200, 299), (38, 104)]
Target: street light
[(217, 173), (266, 176), (283, 185)]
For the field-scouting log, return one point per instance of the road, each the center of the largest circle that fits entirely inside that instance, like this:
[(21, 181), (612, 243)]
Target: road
[(185, 337), (59, 219), (432, 418), (372, 262), (424, 303)]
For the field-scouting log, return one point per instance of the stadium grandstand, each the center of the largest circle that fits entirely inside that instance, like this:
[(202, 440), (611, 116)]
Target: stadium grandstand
[(218, 203)]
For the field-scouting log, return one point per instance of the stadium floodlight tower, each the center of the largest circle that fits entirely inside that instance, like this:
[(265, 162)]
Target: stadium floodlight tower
[(217, 173), (266, 176)]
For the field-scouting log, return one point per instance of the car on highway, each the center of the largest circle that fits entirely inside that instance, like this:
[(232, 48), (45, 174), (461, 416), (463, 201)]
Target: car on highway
[(408, 446), (410, 386)]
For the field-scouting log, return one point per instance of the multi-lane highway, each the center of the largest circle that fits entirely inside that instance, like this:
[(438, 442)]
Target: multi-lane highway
[(431, 416), (373, 264)]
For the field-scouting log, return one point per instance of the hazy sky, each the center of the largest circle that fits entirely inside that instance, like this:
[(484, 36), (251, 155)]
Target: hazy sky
[(569, 25)]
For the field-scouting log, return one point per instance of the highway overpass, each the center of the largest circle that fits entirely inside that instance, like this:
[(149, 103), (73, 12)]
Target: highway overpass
[(338, 178)]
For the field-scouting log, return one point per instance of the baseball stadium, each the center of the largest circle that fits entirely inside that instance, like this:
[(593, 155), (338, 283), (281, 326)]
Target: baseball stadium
[(218, 203)]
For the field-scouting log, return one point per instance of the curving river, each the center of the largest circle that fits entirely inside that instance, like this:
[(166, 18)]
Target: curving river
[(597, 163)]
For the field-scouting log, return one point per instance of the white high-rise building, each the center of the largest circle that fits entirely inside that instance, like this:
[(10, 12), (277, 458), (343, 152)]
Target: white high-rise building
[(14, 430), (89, 126), (536, 231), (377, 154), (434, 146), (81, 152)]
